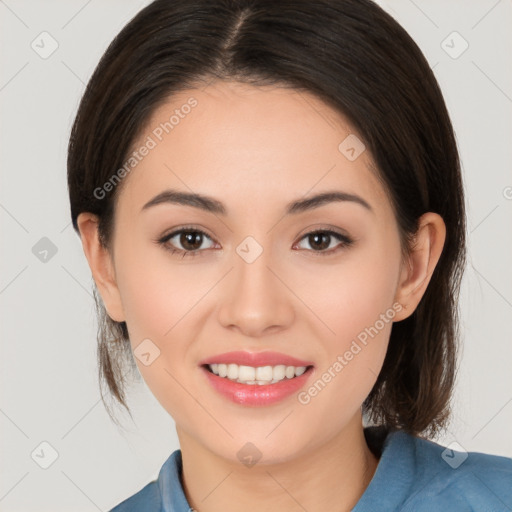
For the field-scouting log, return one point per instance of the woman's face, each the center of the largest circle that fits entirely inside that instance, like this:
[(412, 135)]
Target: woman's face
[(256, 281)]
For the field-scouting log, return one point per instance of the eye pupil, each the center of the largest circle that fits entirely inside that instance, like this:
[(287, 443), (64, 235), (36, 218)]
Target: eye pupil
[(317, 240), (191, 240)]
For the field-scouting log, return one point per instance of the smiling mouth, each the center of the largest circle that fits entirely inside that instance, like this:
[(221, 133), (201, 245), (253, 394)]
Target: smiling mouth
[(260, 375)]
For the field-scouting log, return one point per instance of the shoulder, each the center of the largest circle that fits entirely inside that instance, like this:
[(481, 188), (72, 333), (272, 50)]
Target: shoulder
[(450, 476), (418, 475), (148, 499), (164, 493)]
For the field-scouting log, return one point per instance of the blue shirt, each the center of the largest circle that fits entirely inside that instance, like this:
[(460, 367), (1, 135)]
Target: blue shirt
[(413, 475)]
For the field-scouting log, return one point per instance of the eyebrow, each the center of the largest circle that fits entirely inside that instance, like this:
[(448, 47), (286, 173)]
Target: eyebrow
[(209, 204)]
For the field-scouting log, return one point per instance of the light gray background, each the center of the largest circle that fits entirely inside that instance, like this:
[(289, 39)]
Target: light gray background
[(49, 390)]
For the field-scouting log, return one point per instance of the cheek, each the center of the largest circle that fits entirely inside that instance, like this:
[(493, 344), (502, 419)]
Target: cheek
[(156, 306), (349, 295), (160, 298), (156, 291), (354, 299)]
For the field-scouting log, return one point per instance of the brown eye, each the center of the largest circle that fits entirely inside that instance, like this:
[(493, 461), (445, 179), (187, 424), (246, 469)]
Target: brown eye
[(319, 240), (322, 240), (190, 241)]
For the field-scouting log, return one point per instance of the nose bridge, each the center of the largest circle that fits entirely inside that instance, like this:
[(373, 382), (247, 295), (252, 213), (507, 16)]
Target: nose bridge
[(255, 299), (252, 265)]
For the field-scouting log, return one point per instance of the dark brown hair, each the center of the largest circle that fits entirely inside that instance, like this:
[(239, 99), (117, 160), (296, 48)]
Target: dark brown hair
[(357, 59)]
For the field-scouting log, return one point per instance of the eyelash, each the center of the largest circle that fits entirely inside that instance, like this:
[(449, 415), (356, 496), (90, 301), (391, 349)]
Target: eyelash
[(346, 241)]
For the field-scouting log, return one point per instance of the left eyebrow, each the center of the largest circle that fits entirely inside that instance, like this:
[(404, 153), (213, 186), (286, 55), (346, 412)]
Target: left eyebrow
[(212, 205), (324, 198)]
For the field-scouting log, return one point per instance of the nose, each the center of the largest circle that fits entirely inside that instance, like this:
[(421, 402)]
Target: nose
[(256, 300)]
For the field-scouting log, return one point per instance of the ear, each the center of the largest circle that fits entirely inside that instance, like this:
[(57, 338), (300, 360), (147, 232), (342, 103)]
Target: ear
[(417, 271), (101, 265)]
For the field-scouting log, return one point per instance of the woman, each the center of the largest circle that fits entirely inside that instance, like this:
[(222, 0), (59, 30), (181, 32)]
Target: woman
[(270, 200)]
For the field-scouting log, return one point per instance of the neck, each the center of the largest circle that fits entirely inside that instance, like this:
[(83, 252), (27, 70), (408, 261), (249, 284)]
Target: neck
[(332, 477)]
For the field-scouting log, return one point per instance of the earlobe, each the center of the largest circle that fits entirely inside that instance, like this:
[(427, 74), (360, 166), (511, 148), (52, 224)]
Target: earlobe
[(424, 256), (101, 265)]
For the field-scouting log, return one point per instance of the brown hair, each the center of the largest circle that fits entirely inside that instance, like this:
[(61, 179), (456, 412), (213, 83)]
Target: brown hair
[(357, 59)]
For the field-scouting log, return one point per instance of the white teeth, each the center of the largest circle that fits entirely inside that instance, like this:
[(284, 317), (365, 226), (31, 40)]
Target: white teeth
[(290, 372), (300, 370), (247, 373), (278, 372), (256, 376), (232, 371), (264, 373)]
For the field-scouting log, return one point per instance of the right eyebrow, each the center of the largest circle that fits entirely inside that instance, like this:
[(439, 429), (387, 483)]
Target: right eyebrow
[(206, 203)]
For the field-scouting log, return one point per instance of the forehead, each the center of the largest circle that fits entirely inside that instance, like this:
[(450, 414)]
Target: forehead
[(235, 140)]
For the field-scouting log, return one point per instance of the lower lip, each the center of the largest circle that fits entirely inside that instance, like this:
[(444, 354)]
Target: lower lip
[(255, 394)]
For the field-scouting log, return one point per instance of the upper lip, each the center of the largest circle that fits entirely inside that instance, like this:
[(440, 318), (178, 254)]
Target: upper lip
[(267, 358)]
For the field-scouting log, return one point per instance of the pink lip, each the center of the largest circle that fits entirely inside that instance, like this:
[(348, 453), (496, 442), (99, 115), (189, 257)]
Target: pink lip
[(255, 359), (248, 394)]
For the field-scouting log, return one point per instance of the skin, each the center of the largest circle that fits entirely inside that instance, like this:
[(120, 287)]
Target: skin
[(255, 150)]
